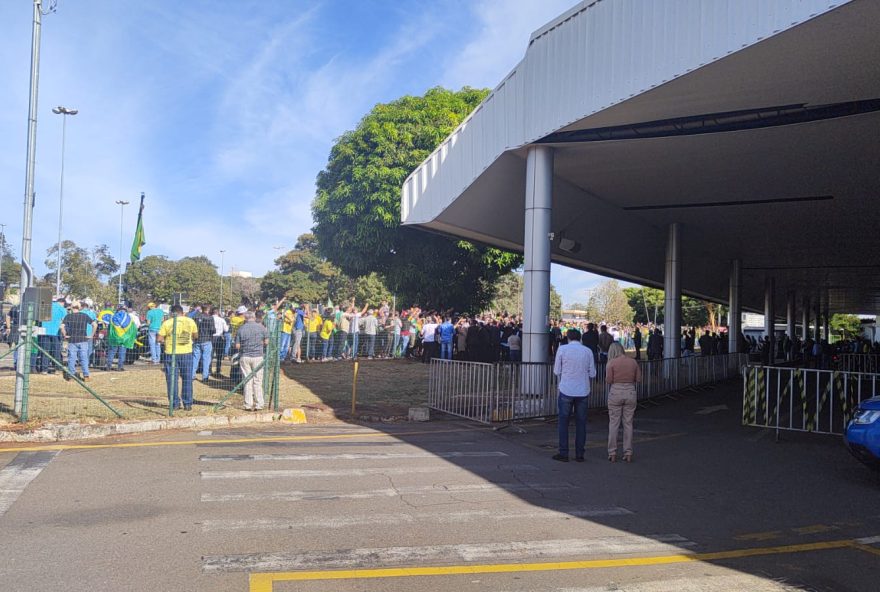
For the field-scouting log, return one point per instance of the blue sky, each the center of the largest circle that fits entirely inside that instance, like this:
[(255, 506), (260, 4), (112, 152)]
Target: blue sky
[(223, 112)]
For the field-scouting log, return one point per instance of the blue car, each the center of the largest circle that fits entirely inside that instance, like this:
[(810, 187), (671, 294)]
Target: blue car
[(863, 433)]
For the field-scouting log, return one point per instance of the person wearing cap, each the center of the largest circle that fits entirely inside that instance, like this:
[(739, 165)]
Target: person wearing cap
[(86, 309), (177, 335), (237, 320), (155, 318), (50, 341), (250, 342), (75, 329)]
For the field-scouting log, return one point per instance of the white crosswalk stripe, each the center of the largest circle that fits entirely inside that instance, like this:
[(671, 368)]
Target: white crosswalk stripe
[(398, 519), (297, 473), (468, 553), (348, 456), (293, 496), (16, 476)]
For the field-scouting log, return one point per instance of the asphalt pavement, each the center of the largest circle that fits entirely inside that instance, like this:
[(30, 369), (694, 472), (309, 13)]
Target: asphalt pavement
[(707, 505)]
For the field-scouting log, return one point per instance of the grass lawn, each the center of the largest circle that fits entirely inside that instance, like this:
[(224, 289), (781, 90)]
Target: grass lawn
[(384, 388)]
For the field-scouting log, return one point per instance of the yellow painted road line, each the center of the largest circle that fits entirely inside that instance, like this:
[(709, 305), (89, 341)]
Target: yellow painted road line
[(228, 441), (263, 582), (867, 548), (759, 536)]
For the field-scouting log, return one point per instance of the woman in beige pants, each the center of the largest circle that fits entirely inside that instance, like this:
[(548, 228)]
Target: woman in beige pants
[(622, 373)]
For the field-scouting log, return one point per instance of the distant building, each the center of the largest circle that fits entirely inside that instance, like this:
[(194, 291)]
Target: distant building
[(241, 274)]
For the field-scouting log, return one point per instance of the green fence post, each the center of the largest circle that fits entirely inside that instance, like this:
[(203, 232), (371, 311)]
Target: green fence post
[(28, 356), (173, 394)]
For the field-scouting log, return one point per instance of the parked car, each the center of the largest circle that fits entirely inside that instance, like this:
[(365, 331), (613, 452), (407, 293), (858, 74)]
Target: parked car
[(862, 435)]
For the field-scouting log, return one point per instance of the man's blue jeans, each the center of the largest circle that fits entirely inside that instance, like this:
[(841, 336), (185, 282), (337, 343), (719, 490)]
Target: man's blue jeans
[(285, 345), (155, 353), (354, 345), (78, 352), (183, 371), (404, 344), (327, 348), (569, 406), (202, 352), (115, 351), (371, 346), (446, 350), (52, 345)]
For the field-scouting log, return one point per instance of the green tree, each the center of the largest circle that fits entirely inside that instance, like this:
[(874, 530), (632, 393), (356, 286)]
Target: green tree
[(304, 276), (845, 325), (152, 279), (82, 269), (357, 207), (647, 304), (11, 272), (509, 296), (610, 304)]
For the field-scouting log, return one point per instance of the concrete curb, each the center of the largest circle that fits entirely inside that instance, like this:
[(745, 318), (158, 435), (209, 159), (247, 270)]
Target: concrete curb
[(78, 431)]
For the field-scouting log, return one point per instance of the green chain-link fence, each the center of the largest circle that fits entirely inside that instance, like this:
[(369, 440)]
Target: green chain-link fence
[(136, 387)]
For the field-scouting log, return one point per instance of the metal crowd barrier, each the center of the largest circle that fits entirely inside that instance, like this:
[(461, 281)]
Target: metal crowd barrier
[(869, 363), (512, 391), (803, 399)]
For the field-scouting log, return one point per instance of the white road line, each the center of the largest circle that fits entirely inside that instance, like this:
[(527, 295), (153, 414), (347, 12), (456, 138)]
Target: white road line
[(15, 476), (398, 519), (468, 553), (872, 540), (348, 456), (289, 473), (296, 496)]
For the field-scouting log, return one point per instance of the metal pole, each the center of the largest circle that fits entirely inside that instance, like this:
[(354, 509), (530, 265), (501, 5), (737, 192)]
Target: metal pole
[(790, 314), (734, 315), (64, 112), (536, 274), (121, 205), (221, 282), (805, 318), (672, 289), (818, 315), (770, 318), (27, 275)]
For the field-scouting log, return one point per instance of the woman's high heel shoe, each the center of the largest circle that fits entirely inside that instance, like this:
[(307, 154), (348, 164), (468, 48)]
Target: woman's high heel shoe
[(628, 457)]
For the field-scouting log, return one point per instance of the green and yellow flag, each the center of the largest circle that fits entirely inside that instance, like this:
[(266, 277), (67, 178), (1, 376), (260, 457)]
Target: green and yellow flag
[(139, 240)]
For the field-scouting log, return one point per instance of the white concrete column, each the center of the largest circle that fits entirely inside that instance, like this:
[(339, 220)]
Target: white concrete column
[(805, 318), (536, 269), (817, 336), (672, 290), (734, 315), (770, 316), (790, 314)]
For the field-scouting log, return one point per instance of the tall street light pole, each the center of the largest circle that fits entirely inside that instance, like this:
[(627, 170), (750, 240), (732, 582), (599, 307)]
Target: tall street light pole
[(27, 274), (221, 281), (64, 111), (121, 205)]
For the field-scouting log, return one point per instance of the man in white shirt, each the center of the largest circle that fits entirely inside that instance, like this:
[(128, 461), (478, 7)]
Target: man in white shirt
[(429, 345), (218, 339), (575, 368)]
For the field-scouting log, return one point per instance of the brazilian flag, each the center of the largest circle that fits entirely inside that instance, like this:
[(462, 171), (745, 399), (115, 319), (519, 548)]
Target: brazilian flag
[(139, 240), (122, 330)]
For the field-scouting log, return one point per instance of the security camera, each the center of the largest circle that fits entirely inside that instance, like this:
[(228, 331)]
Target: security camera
[(569, 246)]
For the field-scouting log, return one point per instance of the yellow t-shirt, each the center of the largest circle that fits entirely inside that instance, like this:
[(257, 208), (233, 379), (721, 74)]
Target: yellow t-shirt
[(186, 333), (235, 323), (315, 323), (327, 329), (287, 321)]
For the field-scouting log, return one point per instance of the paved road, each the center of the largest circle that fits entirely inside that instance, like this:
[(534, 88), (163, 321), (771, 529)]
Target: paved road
[(707, 506)]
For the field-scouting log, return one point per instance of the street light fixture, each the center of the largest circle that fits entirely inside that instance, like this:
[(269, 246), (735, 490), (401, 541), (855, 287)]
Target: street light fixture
[(59, 110), (121, 205)]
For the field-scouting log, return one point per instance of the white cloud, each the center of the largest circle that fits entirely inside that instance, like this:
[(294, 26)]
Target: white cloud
[(500, 40)]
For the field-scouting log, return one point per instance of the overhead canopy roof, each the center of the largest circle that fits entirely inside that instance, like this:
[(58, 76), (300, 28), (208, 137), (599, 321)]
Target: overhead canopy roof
[(753, 124)]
